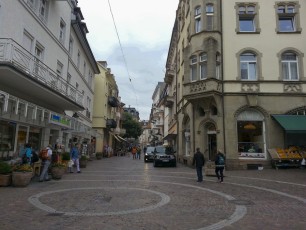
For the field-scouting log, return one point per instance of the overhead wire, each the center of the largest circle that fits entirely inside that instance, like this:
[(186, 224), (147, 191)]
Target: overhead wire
[(124, 59)]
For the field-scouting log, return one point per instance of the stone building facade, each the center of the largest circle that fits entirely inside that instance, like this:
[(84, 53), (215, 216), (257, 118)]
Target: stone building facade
[(234, 68)]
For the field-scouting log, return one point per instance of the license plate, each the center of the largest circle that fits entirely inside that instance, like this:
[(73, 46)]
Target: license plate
[(165, 160)]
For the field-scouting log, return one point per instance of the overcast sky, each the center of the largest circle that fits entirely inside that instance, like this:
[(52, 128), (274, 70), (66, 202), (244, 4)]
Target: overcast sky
[(144, 28)]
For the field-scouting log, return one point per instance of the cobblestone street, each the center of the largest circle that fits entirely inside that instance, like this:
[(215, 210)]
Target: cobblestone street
[(124, 194)]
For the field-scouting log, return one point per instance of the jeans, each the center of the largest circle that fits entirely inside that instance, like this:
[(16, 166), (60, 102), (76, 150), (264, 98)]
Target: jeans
[(220, 176), (44, 174), (199, 173), (76, 162)]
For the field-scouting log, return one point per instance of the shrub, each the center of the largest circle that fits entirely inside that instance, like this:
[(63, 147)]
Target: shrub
[(66, 156), (22, 168), (5, 168)]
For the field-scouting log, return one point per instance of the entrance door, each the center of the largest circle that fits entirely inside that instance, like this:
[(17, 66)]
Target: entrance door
[(212, 145)]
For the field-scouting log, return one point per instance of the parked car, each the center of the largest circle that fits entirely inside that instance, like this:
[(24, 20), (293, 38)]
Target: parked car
[(164, 156), (149, 154)]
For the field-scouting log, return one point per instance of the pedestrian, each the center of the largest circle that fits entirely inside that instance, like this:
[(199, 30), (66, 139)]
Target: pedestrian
[(74, 156), (46, 155), (27, 157), (199, 161), (220, 164), (134, 151), (138, 152)]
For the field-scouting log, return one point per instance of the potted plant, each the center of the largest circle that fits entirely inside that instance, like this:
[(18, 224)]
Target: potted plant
[(99, 155), (58, 170), (65, 157), (22, 175), (83, 161), (5, 174)]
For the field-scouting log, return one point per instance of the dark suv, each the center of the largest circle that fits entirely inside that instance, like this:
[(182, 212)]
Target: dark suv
[(164, 156), (149, 154)]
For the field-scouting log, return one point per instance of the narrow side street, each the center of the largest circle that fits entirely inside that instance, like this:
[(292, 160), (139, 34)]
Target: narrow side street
[(123, 194)]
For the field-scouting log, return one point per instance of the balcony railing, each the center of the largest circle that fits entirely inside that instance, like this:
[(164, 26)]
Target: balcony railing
[(11, 52)]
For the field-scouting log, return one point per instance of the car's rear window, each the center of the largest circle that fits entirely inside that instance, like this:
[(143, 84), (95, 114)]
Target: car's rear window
[(160, 149), (150, 149)]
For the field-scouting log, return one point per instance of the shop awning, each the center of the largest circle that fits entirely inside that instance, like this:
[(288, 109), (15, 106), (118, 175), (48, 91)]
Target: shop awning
[(292, 123), (170, 136)]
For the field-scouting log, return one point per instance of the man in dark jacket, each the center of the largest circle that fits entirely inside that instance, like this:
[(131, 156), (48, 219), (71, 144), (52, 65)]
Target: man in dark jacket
[(198, 161)]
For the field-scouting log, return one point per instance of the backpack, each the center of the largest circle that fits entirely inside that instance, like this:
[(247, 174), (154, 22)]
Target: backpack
[(221, 160), (43, 154), (35, 157)]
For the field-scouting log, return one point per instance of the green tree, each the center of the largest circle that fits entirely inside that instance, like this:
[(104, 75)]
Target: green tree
[(132, 127)]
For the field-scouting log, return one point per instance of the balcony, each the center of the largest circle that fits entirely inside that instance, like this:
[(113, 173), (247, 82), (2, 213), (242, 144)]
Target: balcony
[(169, 100), (113, 102), (199, 89), (26, 77), (111, 123), (169, 76)]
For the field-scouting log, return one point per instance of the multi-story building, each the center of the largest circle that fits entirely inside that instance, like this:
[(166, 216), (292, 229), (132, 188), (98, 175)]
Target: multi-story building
[(157, 115), (236, 69), (146, 131), (107, 109), (47, 70)]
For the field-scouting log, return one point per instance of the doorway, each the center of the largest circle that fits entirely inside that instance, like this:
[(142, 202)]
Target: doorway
[(212, 145)]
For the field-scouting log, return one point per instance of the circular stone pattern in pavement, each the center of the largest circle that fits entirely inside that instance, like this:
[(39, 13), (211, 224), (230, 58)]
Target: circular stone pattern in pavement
[(99, 201)]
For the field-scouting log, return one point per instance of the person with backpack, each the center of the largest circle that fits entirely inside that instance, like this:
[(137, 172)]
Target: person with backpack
[(26, 158), (220, 164), (199, 161), (46, 156)]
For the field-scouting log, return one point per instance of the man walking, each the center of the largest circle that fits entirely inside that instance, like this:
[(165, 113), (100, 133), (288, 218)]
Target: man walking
[(198, 161), (46, 155), (220, 164)]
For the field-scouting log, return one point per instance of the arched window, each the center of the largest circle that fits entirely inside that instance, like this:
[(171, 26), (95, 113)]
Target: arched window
[(248, 66), (290, 66), (251, 134)]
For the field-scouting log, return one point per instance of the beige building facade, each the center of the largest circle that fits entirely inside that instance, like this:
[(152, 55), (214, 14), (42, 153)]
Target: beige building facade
[(239, 69), (107, 110)]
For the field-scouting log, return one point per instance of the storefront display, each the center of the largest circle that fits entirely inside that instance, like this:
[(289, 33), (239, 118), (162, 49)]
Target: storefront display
[(290, 157)]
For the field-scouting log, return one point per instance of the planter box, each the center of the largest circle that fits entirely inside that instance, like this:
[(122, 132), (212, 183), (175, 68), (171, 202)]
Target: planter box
[(5, 180), (57, 172), (21, 179)]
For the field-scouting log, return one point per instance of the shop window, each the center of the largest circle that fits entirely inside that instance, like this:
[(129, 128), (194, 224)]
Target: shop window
[(7, 137), (250, 130)]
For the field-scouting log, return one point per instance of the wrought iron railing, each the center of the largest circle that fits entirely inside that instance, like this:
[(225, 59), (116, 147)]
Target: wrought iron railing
[(11, 52)]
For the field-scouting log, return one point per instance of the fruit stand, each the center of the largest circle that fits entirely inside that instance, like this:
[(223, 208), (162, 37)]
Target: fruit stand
[(290, 157)]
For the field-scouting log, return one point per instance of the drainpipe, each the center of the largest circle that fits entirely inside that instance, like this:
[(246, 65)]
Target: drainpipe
[(193, 118), (222, 72)]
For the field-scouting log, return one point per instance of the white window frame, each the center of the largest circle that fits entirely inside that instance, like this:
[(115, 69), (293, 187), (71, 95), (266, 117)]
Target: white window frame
[(249, 63), (193, 68), (71, 42), (203, 65), (288, 64), (62, 32), (59, 69)]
